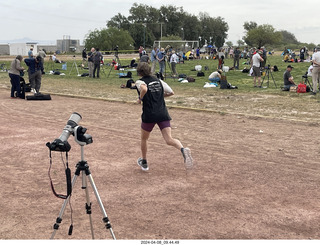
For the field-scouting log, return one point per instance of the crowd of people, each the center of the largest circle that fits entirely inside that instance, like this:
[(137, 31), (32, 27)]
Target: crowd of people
[(35, 72)]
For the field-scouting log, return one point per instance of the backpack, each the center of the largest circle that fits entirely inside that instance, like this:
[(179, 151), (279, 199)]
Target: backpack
[(191, 79), (200, 74), (129, 83)]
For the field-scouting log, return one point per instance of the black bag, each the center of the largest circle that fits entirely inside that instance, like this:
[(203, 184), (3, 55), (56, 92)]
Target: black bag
[(39, 97), (129, 83), (223, 84), (200, 74), (191, 79), (182, 76)]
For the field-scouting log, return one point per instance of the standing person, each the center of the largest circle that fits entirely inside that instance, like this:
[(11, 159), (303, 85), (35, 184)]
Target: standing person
[(97, 58), (316, 70), (154, 111), (35, 67), (161, 59), (90, 61), (264, 57), (154, 59), (288, 78), (173, 61), (14, 74), (42, 55), (255, 64), (30, 52), (302, 53), (198, 53), (221, 58), (236, 58), (140, 51), (231, 53)]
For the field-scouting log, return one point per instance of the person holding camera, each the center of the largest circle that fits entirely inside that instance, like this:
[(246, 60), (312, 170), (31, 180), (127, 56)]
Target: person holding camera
[(14, 74), (161, 59), (154, 111), (255, 63), (36, 68)]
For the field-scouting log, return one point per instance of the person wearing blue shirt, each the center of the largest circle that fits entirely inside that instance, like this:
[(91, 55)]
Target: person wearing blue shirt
[(161, 59), (154, 61), (35, 69)]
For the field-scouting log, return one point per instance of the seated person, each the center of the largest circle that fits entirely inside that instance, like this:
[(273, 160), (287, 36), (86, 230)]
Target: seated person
[(133, 63), (215, 76), (288, 78), (144, 58), (55, 60), (309, 74), (286, 58)]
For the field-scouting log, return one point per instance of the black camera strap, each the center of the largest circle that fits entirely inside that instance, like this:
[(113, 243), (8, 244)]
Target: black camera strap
[(68, 178)]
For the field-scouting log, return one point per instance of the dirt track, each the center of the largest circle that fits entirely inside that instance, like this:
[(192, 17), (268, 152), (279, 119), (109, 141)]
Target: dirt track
[(255, 178)]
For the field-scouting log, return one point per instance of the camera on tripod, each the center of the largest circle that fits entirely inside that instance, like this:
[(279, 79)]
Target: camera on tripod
[(72, 128), (116, 48)]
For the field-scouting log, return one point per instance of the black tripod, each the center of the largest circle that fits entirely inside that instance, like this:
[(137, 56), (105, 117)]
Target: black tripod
[(167, 63), (83, 168), (306, 81), (115, 61), (268, 72)]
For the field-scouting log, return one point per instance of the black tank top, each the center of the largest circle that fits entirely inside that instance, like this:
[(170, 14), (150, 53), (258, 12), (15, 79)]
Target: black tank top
[(154, 108)]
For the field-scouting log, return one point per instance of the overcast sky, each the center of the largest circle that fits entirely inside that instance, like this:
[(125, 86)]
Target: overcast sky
[(54, 19)]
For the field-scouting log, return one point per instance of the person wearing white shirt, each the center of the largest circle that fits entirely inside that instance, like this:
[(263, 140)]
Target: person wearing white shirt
[(256, 59), (173, 62), (316, 70)]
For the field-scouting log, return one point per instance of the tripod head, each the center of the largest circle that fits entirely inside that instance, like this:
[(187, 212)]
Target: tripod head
[(81, 137)]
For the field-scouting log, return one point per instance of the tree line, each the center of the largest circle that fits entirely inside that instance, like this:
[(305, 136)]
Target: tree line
[(145, 24)]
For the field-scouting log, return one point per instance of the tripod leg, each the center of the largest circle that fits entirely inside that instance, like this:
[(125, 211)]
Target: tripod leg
[(105, 217), (273, 80), (59, 219), (88, 203)]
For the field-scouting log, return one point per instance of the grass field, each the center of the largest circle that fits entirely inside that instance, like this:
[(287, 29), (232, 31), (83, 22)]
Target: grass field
[(269, 101)]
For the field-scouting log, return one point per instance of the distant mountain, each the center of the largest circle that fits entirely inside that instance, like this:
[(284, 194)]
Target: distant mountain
[(29, 40)]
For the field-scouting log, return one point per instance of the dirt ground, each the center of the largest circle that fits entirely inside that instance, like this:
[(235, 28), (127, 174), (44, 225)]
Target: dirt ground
[(255, 178)]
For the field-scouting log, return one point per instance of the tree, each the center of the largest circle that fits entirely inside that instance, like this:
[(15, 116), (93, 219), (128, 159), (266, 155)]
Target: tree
[(216, 28), (146, 24), (229, 44), (240, 43), (262, 35), (108, 39), (288, 38), (250, 25)]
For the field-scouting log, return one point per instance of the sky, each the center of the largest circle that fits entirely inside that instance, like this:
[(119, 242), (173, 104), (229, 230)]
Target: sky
[(49, 20)]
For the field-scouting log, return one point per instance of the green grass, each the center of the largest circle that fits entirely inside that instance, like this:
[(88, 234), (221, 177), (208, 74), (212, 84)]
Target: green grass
[(247, 100)]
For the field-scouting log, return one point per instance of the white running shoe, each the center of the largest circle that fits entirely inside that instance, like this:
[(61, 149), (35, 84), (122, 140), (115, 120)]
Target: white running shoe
[(143, 164), (188, 161)]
